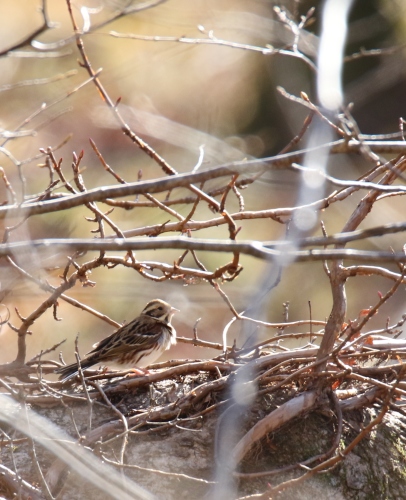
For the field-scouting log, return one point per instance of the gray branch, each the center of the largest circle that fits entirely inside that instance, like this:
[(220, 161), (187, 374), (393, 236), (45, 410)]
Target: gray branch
[(253, 248), (185, 180)]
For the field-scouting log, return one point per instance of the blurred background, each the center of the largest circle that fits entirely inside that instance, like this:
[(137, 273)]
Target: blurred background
[(179, 97)]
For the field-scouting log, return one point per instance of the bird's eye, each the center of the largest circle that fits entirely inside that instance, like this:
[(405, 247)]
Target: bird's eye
[(160, 308)]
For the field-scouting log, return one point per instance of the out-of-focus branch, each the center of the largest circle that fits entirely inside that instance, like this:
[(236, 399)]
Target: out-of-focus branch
[(212, 40), (46, 25), (253, 248), (17, 486)]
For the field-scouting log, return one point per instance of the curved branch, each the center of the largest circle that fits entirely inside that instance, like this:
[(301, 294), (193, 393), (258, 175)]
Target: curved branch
[(286, 412)]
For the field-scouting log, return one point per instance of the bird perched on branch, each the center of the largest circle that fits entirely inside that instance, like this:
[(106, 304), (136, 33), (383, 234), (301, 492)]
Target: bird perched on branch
[(138, 343)]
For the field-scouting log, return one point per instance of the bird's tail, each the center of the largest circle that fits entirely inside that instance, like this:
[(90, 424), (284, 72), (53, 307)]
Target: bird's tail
[(70, 371)]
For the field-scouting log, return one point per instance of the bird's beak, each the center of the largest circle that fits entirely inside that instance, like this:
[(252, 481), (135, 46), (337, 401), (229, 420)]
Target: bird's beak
[(174, 310)]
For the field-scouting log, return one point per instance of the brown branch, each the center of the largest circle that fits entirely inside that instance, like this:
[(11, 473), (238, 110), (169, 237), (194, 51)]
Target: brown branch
[(43, 285), (332, 462), (284, 413), (337, 275), (17, 486), (185, 180), (304, 463), (23, 330)]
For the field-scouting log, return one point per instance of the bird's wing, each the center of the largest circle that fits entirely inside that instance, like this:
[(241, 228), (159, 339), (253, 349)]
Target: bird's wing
[(141, 332)]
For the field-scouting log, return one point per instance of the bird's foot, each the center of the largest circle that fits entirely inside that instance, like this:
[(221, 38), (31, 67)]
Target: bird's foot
[(137, 372)]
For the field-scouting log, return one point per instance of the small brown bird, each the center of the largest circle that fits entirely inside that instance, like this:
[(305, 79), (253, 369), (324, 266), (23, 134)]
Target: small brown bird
[(139, 343)]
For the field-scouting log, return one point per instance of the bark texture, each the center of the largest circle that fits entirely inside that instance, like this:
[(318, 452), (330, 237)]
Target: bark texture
[(178, 461)]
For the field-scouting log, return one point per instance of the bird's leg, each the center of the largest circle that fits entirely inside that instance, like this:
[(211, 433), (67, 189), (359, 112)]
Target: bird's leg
[(137, 372)]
